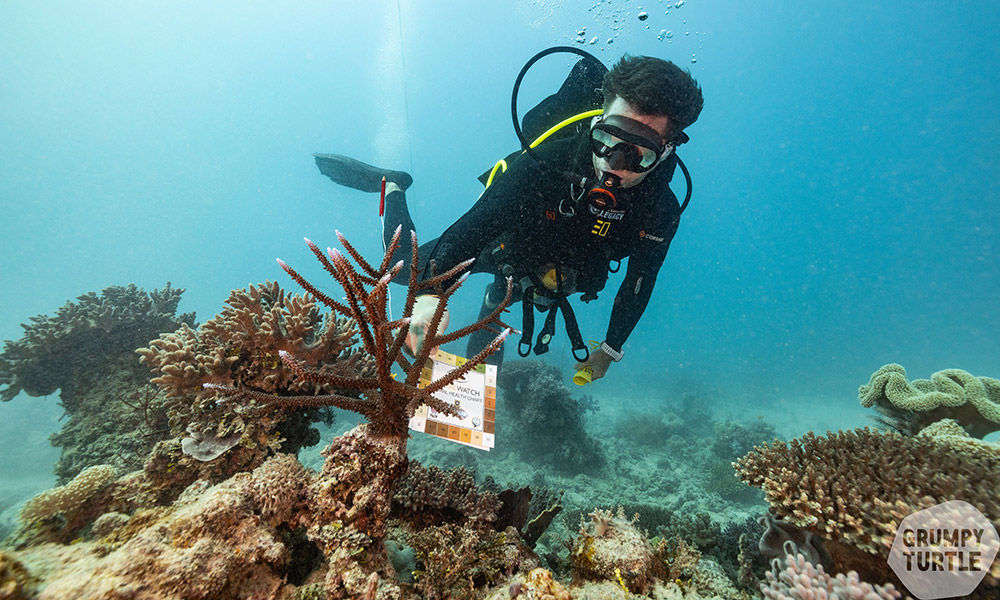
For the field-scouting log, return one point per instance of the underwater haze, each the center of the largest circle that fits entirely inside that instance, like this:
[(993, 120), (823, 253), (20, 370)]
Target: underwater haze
[(845, 169)]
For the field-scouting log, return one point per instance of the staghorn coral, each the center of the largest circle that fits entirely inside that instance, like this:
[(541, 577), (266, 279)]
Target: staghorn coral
[(908, 406), (352, 496), (796, 578), (86, 352), (386, 402), (241, 347), (853, 488)]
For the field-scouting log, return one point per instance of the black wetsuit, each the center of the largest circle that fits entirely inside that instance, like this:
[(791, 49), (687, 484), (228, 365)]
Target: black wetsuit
[(524, 208)]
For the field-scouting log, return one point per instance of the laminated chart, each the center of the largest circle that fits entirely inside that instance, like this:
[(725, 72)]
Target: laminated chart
[(475, 395)]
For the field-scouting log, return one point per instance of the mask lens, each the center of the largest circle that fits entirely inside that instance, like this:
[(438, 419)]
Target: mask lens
[(635, 158)]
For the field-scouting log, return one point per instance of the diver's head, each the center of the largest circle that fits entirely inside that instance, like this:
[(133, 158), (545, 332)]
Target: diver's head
[(627, 143), (656, 93)]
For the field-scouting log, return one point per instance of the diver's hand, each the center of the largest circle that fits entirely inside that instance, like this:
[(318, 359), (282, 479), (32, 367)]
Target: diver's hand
[(420, 320), (598, 362)]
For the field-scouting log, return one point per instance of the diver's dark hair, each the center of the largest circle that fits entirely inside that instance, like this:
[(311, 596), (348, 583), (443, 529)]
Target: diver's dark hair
[(654, 86)]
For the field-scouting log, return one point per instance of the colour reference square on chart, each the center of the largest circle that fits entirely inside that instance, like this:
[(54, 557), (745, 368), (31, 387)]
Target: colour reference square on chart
[(474, 394)]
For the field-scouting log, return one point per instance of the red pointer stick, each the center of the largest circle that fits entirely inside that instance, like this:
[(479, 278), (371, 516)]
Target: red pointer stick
[(381, 202)]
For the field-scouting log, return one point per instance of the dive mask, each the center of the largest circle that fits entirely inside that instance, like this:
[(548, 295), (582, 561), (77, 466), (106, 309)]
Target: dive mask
[(626, 143)]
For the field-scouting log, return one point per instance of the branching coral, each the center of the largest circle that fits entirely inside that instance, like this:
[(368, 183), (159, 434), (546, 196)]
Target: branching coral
[(452, 561), (351, 497), (908, 406), (69, 497), (386, 402), (58, 352), (434, 496), (241, 347), (86, 351)]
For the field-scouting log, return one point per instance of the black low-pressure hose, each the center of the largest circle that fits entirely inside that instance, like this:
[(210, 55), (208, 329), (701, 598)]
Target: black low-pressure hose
[(573, 178)]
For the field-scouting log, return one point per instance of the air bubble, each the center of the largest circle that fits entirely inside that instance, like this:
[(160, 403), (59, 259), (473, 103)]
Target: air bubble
[(643, 16), (693, 59), (679, 4)]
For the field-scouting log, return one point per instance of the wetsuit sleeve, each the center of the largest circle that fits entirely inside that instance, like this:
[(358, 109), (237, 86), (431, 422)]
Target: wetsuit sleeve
[(495, 213), (636, 289)]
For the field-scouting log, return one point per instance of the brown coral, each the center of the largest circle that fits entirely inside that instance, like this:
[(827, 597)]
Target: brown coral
[(855, 487), (240, 347), (615, 550), (67, 498), (435, 496), (908, 406)]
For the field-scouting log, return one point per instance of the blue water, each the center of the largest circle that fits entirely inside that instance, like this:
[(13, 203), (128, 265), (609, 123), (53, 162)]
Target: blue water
[(845, 167)]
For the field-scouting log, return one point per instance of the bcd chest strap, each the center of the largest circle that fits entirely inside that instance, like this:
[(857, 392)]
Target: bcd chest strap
[(557, 302)]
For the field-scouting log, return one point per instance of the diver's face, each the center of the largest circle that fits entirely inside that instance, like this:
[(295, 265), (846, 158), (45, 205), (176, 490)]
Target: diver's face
[(660, 123)]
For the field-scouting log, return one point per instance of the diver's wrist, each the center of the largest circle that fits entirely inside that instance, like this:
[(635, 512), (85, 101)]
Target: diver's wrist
[(616, 355)]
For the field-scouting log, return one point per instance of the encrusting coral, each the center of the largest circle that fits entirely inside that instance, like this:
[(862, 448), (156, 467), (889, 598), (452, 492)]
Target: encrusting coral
[(86, 352), (614, 549), (908, 406)]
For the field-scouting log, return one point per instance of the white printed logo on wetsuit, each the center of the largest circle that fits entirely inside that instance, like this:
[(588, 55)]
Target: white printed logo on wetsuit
[(649, 236), (610, 215)]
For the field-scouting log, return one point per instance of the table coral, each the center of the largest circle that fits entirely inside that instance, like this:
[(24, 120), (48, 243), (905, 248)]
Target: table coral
[(907, 406), (854, 488)]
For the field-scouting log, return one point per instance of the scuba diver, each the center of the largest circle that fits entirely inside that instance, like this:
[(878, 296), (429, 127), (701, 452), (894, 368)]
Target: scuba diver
[(554, 232)]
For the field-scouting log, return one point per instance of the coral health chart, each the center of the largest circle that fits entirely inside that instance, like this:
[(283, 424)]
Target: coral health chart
[(474, 395)]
